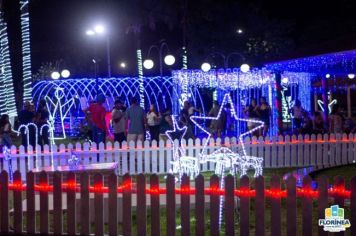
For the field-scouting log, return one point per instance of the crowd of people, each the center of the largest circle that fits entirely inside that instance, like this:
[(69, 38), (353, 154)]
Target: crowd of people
[(132, 123)]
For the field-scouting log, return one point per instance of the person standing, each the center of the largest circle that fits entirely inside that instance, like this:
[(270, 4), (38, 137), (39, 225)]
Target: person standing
[(264, 111), (153, 120), (217, 126), (297, 112), (251, 112), (336, 120), (27, 116), (165, 124), (98, 113), (42, 118), (5, 130), (137, 122), (119, 121)]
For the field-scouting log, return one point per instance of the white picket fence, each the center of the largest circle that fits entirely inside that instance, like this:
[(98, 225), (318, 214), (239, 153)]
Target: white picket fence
[(146, 157)]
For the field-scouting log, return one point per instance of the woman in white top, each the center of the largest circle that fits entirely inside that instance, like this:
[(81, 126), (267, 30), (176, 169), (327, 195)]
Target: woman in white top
[(153, 120)]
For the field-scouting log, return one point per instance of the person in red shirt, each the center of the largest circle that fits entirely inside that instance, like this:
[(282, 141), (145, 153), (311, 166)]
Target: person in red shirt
[(98, 119)]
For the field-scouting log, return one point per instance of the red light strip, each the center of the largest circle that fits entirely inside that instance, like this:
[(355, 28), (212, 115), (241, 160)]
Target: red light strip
[(129, 187)]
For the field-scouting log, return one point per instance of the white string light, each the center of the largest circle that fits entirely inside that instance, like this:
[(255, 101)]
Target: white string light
[(7, 94), (141, 79), (330, 105), (26, 53), (58, 108)]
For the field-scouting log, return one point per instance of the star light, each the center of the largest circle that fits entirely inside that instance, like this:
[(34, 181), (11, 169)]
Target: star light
[(181, 163)]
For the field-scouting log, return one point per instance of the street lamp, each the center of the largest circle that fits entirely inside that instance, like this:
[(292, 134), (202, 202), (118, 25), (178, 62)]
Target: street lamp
[(98, 30), (123, 65), (205, 67), (55, 75), (64, 74), (168, 59)]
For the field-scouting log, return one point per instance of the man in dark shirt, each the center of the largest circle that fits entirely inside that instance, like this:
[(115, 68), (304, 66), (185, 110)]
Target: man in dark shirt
[(137, 118), (27, 116)]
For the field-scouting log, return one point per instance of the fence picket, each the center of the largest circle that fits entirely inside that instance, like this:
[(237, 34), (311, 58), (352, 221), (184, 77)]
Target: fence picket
[(71, 211), (254, 146), (339, 183), (337, 153), (112, 183), (86, 149), (313, 157), (17, 205), (185, 206), (300, 151), (140, 156), (44, 204), (109, 153), (275, 207), (260, 206), (125, 159), (352, 148), (155, 216), (199, 206), (245, 208), (4, 203), (84, 204), (291, 207), (280, 152), (126, 204), (141, 205), (161, 159), (325, 148), (30, 202), (322, 201), (132, 158), (353, 206), (267, 162), (116, 156), (306, 148), (344, 148), (23, 161), (319, 150), (229, 205), (171, 205), (99, 205), (168, 150), (214, 207), (57, 206), (294, 152), (147, 158), (155, 154), (307, 208)]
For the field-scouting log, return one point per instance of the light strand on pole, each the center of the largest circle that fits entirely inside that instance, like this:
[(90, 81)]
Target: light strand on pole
[(184, 58), (141, 79), (26, 53), (7, 100)]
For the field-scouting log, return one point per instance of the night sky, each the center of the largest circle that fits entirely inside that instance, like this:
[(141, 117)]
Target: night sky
[(58, 30)]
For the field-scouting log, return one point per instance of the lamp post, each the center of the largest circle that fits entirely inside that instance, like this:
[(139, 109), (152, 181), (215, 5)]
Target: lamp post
[(98, 30), (168, 59)]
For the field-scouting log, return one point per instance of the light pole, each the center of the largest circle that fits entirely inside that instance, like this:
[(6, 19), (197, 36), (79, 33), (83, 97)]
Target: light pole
[(168, 59), (98, 30)]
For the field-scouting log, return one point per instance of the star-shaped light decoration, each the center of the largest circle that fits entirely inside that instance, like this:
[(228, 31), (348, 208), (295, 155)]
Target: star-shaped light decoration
[(181, 163), (242, 163)]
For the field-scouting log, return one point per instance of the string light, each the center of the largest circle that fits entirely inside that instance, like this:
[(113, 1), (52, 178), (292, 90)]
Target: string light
[(141, 79), (184, 58), (7, 94), (58, 108), (7, 157), (181, 163), (224, 79), (330, 105), (26, 53)]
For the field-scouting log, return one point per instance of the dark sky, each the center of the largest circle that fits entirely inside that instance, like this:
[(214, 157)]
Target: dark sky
[(58, 29)]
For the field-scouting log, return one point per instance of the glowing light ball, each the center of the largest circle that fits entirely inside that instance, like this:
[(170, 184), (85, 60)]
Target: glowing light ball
[(90, 32), (55, 75), (239, 31), (99, 29), (351, 76), (169, 60), (65, 73), (123, 65), (245, 68), (285, 80), (148, 64), (327, 76), (205, 67)]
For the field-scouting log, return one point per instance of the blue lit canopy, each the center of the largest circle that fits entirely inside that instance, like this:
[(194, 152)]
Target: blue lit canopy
[(336, 63)]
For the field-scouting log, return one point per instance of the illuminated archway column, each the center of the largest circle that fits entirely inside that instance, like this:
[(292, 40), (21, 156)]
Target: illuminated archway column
[(324, 85), (26, 53), (7, 93), (278, 101)]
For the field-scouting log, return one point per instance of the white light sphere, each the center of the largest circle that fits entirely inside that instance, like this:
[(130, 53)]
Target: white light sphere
[(55, 75), (285, 80), (148, 64), (123, 65), (90, 32), (327, 76), (205, 67), (99, 29), (65, 73), (169, 60), (351, 76), (239, 31), (245, 68)]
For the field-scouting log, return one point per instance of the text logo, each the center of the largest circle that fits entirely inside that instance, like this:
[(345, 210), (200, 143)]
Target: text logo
[(334, 220)]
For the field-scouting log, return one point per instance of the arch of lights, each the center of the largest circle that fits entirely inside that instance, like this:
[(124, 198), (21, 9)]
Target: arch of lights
[(242, 87), (157, 90)]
